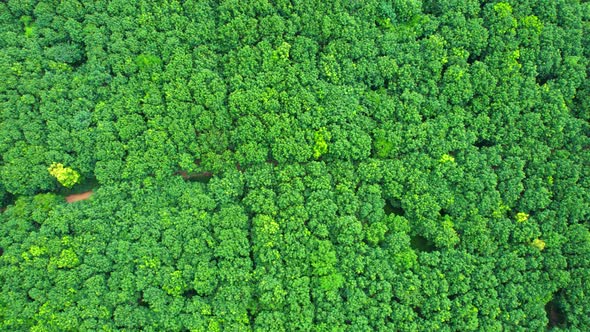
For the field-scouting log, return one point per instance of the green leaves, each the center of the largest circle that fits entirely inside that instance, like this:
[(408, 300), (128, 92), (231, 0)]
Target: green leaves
[(310, 165), (320, 137), (147, 61), (65, 175), (23, 171)]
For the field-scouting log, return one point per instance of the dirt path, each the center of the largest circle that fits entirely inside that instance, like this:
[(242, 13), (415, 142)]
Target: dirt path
[(79, 197)]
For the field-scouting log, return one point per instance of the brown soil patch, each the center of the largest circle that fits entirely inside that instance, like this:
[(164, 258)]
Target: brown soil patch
[(79, 197)]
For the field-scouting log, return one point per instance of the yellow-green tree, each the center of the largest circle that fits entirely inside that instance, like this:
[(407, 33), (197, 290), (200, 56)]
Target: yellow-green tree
[(65, 175), (321, 146)]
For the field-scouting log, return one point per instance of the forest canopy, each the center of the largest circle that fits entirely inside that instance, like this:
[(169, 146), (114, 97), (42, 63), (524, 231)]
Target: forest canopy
[(295, 165)]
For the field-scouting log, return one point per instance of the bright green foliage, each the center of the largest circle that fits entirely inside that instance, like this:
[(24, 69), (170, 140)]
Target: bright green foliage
[(522, 217), (67, 259), (295, 165), (321, 145), (147, 61), (447, 159), (28, 27), (65, 175), (539, 244)]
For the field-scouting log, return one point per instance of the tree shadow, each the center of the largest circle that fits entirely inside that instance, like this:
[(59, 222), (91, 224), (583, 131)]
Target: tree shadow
[(189, 293), (420, 243), (202, 177), (7, 201), (484, 143), (89, 184), (394, 206), (555, 315)]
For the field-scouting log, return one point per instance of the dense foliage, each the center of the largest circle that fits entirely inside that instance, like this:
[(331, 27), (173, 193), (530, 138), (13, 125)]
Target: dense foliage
[(295, 165)]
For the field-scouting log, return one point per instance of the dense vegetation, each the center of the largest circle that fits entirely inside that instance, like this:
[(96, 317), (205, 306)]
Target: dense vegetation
[(295, 165)]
